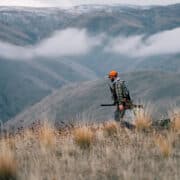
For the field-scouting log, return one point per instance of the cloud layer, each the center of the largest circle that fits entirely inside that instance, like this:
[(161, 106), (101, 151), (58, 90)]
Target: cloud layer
[(77, 42), (69, 3), (68, 42), (166, 42)]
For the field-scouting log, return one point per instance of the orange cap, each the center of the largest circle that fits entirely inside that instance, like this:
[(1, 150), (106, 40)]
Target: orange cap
[(113, 74)]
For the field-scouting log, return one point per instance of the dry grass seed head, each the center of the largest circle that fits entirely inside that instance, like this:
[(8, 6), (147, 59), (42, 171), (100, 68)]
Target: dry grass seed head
[(83, 137), (175, 118), (164, 145), (110, 128), (142, 120), (11, 141), (47, 135), (8, 166)]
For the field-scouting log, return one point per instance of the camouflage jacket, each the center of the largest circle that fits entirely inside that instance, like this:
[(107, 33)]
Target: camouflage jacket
[(120, 92)]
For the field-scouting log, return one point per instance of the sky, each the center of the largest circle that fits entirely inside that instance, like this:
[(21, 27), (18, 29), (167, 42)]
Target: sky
[(70, 3)]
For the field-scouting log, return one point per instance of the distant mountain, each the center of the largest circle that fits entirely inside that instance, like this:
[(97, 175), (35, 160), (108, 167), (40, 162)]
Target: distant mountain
[(24, 26), (82, 101), (25, 82)]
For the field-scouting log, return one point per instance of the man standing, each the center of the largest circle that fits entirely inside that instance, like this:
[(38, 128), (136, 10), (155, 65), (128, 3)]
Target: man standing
[(120, 95)]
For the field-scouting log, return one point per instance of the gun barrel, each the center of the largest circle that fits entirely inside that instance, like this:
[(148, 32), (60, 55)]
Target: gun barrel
[(128, 106), (106, 105)]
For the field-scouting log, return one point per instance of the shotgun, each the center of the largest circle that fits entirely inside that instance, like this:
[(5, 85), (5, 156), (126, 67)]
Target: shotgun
[(127, 106)]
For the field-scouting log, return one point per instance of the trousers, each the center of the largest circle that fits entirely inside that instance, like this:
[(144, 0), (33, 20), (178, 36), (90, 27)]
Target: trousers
[(118, 115)]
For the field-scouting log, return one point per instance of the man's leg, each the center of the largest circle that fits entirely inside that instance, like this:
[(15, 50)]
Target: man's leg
[(118, 115)]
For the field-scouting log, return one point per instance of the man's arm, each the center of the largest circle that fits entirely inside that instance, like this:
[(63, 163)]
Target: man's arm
[(119, 92), (113, 94)]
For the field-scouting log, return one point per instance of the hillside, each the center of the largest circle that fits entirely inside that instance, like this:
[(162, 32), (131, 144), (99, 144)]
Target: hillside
[(24, 83), (82, 101), (36, 24)]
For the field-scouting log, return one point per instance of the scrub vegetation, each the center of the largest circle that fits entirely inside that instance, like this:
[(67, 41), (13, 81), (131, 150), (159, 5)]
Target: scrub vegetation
[(93, 151)]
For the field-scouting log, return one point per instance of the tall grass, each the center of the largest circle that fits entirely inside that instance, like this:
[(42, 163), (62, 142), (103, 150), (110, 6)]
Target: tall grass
[(83, 137), (8, 165), (143, 119), (98, 151), (175, 119), (110, 128), (165, 146), (47, 136)]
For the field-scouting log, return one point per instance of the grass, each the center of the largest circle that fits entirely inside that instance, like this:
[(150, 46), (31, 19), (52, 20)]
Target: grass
[(47, 136), (110, 128), (175, 118), (99, 151), (143, 120), (83, 137), (165, 146), (8, 166)]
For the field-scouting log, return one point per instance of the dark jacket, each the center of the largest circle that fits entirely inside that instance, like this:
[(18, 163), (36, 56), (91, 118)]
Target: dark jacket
[(120, 92)]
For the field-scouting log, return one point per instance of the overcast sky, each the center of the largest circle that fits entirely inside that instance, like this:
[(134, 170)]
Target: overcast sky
[(69, 3)]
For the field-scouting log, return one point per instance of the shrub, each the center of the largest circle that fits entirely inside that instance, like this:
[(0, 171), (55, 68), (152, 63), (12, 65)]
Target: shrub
[(175, 119), (8, 168), (110, 128), (83, 137), (142, 120), (164, 145), (47, 135)]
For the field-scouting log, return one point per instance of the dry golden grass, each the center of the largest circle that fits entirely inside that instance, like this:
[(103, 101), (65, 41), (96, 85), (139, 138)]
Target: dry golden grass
[(8, 166), (87, 152), (47, 136), (142, 120), (83, 137), (110, 128), (165, 145), (175, 119)]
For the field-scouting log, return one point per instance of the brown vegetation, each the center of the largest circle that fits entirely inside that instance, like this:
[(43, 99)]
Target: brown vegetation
[(110, 128), (83, 137), (104, 151), (143, 120), (8, 166), (175, 118)]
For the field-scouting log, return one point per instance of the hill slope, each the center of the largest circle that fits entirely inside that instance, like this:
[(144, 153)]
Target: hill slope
[(24, 83)]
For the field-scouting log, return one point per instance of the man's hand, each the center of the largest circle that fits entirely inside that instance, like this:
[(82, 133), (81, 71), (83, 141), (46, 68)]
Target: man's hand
[(121, 107)]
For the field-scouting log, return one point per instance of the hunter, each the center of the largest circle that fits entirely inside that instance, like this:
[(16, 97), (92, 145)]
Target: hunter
[(120, 95)]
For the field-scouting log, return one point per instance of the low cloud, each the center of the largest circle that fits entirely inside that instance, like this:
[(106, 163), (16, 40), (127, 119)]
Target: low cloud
[(77, 42), (166, 42), (68, 42)]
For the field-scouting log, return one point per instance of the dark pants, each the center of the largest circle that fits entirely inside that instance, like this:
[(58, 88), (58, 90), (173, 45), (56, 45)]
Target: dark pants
[(118, 115)]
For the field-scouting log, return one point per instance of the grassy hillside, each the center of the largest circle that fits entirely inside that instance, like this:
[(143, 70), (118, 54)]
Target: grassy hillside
[(25, 26), (82, 100), (92, 152)]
